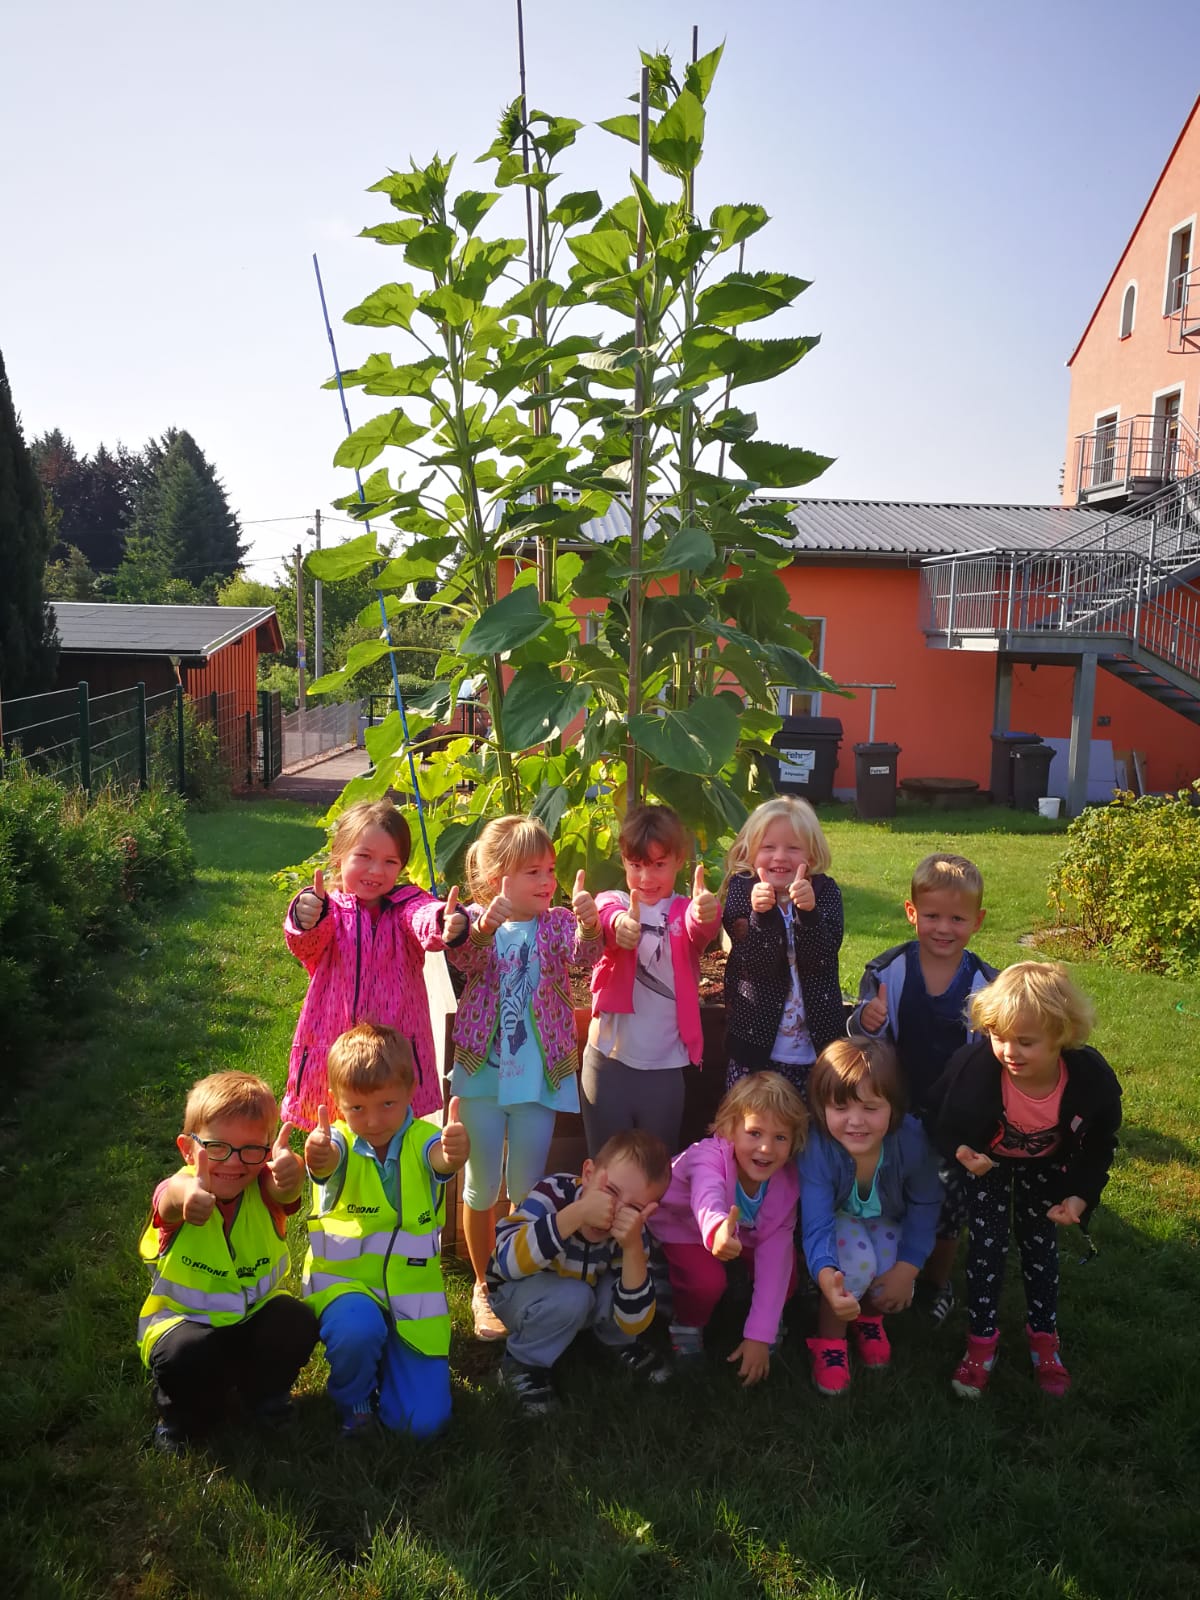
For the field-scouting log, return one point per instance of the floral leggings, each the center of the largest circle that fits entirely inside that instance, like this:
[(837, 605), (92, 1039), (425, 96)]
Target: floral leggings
[(1022, 1189)]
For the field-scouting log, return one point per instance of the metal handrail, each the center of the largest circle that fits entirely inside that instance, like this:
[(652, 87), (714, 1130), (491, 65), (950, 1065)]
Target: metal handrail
[(1145, 448)]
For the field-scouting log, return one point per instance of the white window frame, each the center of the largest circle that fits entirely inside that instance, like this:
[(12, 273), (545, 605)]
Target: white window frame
[(1165, 394), (1124, 332), (785, 691), (1172, 272), (1110, 416)]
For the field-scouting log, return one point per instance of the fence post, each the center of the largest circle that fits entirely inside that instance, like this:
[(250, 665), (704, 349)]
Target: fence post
[(249, 726), (143, 744), (85, 741), (181, 775)]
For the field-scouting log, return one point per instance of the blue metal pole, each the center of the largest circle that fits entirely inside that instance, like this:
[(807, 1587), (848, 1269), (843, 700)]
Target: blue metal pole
[(387, 628)]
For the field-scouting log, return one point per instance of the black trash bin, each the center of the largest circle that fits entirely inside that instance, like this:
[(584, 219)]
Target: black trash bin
[(1030, 774), (875, 779), (1003, 745), (808, 754)]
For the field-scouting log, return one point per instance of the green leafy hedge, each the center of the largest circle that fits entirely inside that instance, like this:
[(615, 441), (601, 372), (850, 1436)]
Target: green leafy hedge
[(74, 878), (1129, 881)]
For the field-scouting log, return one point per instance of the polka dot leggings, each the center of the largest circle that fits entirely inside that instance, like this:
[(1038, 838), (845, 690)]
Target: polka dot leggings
[(866, 1248), (1019, 1189)]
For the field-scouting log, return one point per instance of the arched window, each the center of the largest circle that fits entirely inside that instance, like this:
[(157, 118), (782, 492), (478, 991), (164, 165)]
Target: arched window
[(1127, 309)]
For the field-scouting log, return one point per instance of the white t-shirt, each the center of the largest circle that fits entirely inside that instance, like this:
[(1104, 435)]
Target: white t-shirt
[(793, 1042), (648, 1037)]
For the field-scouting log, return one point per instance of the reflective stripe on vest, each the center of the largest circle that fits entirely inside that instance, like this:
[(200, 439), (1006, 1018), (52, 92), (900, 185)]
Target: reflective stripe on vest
[(363, 1246), (196, 1279)]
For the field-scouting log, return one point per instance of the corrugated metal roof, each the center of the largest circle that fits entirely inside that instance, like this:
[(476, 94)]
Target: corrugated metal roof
[(153, 630), (891, 527)]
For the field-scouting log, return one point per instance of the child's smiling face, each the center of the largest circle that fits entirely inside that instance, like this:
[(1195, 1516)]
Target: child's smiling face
[(653, 877), (762, 1144), (780, 852), (228, 1175), (531, 887), (859, 1126), (371, 866)]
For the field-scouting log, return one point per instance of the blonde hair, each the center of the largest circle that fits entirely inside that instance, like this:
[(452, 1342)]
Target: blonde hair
[(645, 1149), (940, 871), (505, 845), (366, 1057), (845, 1067), (803, 821), (1041, 990), (355, 821), (763, 1094), (230, 1094)]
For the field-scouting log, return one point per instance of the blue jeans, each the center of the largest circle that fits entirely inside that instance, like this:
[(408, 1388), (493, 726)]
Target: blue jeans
[(368, 1358), (544, 1312)]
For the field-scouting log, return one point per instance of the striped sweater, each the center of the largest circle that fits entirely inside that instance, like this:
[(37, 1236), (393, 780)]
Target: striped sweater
[(529, 1241)]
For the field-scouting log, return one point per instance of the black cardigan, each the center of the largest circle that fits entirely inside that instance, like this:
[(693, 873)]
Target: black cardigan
[(967, 1101), (758, 977)]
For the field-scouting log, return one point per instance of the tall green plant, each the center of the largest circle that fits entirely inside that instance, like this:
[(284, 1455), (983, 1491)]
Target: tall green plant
[(537, 403)]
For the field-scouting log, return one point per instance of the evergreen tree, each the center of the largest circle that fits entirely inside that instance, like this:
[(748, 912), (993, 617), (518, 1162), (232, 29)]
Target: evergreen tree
[(72, 578), (28, 640), (182, 526), (93, 494)]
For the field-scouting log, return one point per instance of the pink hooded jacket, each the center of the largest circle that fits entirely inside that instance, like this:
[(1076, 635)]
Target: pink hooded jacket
[(613, 978), (362, 970), (699, 1198)]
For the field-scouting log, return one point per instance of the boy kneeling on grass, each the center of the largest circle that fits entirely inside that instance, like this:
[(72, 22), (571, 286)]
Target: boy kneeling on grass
[(571, 1256), (216, 1318)]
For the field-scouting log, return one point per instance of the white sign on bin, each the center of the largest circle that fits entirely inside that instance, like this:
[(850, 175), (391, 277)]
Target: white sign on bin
[(880, 772), (796, 766)]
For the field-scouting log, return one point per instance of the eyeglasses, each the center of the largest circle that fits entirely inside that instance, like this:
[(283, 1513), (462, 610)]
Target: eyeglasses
[(250, 1155)]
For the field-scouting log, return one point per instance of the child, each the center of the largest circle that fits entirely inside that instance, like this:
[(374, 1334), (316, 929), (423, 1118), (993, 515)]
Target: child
[(916, 995), (516, 1053), (645, 989), (363, 945), (572, 1255), (216, 1318), (1031, 1114), (732, 1195), (373, 1272), (870, 1197), (783, 914)]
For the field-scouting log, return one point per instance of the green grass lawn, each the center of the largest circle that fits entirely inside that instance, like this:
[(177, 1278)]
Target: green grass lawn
[(696, 1489)]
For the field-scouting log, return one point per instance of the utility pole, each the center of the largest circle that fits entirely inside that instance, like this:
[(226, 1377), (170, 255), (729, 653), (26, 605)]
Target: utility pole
[(318, 608), (300, 650)]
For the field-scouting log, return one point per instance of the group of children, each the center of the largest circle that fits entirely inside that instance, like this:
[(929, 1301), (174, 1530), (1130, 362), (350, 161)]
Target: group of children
[(953, 1096)]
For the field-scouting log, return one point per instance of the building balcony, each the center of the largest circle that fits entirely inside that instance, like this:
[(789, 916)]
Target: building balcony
[(1128, 457)]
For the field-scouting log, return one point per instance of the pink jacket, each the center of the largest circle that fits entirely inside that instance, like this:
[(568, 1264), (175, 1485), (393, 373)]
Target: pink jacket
[(703, 1181), (362, 971), (559, 942), (613, 977)]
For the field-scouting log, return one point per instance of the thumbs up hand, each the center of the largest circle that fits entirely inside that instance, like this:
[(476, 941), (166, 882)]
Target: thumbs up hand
[(762, 896), (498, 912), (800, 890), (840, 1301), (287, 1172), (726, 1245), (584, 908), (874, 1014), (455, 1144), (627, 926), (199, 1200), (320, 1152), (310, 903), (704, 903), (454, 921)]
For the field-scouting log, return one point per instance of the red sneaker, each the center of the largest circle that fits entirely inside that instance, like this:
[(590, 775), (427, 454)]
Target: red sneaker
[(971, 1376), (1053, 1378), (871, 1343), (830, 1365)]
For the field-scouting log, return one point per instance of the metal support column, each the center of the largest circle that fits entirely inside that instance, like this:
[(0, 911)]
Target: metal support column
[(1083, 706), (1002, 702)]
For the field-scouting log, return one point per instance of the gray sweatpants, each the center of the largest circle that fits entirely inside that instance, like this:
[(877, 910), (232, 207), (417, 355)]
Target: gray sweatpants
[(613, 1097), (544, 1312)]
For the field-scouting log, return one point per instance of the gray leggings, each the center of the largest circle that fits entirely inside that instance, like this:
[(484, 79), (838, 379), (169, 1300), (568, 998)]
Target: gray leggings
[(613, 1097)]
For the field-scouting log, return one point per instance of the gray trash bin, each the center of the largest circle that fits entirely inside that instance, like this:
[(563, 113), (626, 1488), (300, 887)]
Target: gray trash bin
[(875, 779), (1001, 779), (808, 754), (1030, 774)]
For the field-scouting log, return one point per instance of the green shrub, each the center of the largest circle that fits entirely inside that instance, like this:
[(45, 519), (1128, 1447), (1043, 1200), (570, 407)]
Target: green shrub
[(1128, 883), (206, 776)]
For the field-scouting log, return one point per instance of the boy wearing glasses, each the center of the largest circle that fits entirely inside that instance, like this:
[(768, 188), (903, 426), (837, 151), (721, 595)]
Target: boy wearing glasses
[(216, 1318)]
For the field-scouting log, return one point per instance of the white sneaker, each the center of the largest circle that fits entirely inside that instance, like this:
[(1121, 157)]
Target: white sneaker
[(487, 1323)]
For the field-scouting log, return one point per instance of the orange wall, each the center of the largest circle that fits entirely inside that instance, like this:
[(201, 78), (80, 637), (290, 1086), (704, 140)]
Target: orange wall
[(1109, 373), (231, 670)]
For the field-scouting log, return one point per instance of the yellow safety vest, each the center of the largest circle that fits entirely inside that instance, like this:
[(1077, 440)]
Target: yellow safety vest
[(204, 1277), (365, 1246)]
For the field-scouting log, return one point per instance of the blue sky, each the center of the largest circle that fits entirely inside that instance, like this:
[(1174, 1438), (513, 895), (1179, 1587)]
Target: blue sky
[(957, 179)]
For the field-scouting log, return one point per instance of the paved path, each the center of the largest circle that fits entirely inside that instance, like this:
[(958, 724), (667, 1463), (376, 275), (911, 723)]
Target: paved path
[(320, 784)]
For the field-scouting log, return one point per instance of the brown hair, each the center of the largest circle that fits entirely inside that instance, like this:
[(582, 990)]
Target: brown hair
[(940, 871), (366, 1057), (230, 1094), (645, 1149), (803, 822), (652, 825), (505, 845), (845, 1066), (765, 1094), (355, 821), (1042, 990)]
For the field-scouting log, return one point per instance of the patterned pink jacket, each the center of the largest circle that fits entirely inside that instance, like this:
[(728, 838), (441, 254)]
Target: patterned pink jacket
[(559, 942), (362, 970)]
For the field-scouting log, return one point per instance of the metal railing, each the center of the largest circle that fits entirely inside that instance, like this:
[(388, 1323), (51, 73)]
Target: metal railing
[(118, 740), (1183, 304), (1132, 453), (317, 729)]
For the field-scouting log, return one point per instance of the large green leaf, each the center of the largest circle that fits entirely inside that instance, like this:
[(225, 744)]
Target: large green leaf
[(447, 305), (390, 306), (555, 134), (385, 739), (471, 205), (408, 191), (699, 75), (604, 251), (451, 846), (677, 140), (625, 126), (507, 624), (539, 705), (735, 223), (343, 560), (367, 442), (363, 654), (747, 296), (778, 466), (688, 550), (550, 806), (707, 805), (392, 232), (378, 376), (431, 248), (405, 569), (578, 206), (700, 739)]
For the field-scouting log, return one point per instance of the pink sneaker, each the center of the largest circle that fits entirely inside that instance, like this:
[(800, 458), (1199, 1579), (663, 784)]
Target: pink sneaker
[(971, 1376), (830, 1365), (871, 1343), (1053, 1378)]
